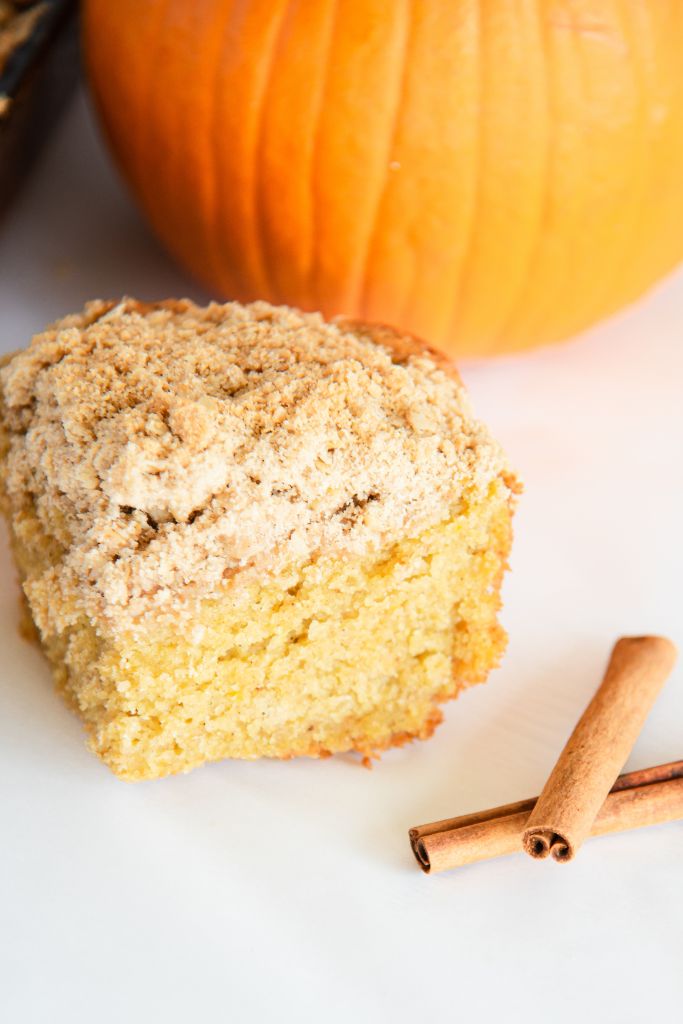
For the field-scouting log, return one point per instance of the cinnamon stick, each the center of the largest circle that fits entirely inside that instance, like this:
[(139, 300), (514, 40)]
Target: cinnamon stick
[(650, 796), (598, 747)]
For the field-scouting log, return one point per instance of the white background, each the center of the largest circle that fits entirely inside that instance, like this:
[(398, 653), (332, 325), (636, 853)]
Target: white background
[(287, 891)]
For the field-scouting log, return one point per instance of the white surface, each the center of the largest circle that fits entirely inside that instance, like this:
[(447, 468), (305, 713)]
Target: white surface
[(287, 891)]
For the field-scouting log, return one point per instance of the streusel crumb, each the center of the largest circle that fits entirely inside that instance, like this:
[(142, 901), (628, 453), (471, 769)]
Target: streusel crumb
[(169, 447)]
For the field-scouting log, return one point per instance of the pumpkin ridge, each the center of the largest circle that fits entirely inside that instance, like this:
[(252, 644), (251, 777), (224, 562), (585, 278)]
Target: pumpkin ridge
[(256, 158), (290, 117), (526, 281), (234, 228), (522, 322), (359, 290), (258, 209), (140, 150), (212, 163), (309, 261), (585, 35), (441, 304), (164, 119), (460, 286), (626, 254), (661, 257)]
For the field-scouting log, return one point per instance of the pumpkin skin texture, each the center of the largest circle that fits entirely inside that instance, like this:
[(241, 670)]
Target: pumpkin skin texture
[(490, 176)]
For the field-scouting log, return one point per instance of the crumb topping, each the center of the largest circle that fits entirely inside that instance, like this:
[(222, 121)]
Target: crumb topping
[(169, 448)]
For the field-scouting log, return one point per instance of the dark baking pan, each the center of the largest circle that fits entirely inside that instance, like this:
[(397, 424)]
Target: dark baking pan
[(35, 83)]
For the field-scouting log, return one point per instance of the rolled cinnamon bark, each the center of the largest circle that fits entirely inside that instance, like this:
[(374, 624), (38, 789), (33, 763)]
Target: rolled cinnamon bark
[(650, 796), (598, 747)]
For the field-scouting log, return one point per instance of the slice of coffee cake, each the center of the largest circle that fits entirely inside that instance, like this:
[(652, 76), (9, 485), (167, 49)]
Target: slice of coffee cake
[(243, 531)]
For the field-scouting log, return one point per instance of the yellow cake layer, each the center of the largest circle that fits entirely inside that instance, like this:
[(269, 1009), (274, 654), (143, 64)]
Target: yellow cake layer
[(337, 654)]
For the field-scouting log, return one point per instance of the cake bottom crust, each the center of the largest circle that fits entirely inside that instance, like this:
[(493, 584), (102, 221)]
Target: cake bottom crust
[(339, 654)]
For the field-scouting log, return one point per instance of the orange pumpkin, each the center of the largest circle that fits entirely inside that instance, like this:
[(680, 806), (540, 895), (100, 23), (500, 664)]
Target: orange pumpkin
[(486, 174)]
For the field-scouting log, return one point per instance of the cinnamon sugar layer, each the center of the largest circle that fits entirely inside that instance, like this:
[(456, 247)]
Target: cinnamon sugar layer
[(171, 450)]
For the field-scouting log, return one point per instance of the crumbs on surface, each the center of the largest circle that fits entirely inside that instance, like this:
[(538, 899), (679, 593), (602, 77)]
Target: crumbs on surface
[(168, 447)]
